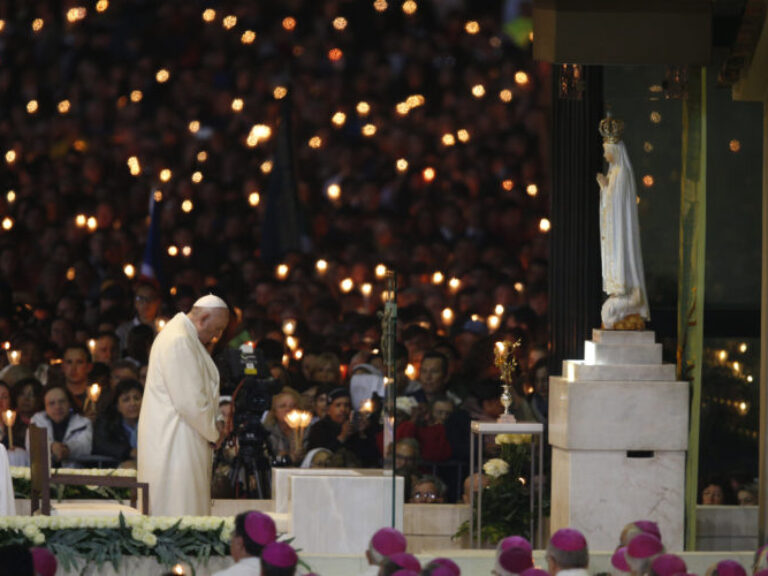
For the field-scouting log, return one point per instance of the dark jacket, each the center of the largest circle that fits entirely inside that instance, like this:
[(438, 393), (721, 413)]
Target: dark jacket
[(111, 439)]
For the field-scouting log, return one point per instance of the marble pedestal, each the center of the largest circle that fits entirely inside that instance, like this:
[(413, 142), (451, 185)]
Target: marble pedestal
[(619, 433), (336, 511)]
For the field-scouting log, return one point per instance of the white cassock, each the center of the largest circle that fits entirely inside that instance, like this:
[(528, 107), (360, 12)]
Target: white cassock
[(178, 421)]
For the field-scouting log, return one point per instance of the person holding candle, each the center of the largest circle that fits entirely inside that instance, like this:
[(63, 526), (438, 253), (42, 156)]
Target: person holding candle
[(11, 428), (115, 431), (337, 431), (27, 400), (69, 434), (281, 434)]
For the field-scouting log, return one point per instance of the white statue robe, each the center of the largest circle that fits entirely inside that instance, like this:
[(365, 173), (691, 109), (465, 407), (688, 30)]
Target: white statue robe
[(178, 421), (622, 260)]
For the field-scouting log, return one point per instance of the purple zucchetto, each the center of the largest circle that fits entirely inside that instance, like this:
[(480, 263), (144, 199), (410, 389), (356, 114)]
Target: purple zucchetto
[(448, 563), (388, 541), (619, 560), (280, 555), (648, 527), (534, 572), (668, 564), (406, 561), (730, 568), (568, 539), (44, 561), (644, 546), (515, 542), (515, 560), (260, 528)]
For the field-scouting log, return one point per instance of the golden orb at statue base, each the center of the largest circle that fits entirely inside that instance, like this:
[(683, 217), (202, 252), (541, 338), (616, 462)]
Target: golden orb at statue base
[(631, 322)]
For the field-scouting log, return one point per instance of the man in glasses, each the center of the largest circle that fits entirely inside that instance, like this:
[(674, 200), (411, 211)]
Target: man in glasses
[(428, 490)]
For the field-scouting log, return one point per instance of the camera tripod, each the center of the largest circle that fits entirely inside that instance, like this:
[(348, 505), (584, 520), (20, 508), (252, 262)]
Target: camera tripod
[(250, 474)]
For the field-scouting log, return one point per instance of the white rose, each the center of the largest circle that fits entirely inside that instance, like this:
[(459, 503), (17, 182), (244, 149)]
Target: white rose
[(496, 467), (149, 539), (504, 439), (31, 531), (39, 539)]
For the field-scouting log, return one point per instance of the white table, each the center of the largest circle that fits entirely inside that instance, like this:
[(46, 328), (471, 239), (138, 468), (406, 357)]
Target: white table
[(477, 431)]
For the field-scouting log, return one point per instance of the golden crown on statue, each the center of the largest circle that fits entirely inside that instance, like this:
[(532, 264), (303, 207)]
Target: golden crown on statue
[(611, 129)]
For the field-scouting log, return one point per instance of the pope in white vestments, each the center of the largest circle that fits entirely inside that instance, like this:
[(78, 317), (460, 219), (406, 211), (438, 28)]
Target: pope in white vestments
[(177, 423)]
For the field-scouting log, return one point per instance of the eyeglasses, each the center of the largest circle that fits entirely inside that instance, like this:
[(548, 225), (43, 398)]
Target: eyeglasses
[(144, 299), (424, 497)]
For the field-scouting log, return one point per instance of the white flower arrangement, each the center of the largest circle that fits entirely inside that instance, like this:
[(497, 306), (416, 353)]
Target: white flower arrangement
[(496, 467), (502, 439), (22, 472), (148, 524)]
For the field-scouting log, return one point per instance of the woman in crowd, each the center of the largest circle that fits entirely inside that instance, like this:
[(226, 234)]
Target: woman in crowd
[(69, 433), (115, 429), (280, 433)]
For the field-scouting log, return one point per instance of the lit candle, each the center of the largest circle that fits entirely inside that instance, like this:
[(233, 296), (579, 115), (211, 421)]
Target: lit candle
[(9, 418), (178, 569), (289, 327), (94, 391), (14, 357), (366, 407), (92, 345)]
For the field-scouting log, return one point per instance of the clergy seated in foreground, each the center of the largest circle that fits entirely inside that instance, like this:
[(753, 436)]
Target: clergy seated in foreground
[(115, 431), (642, 550), (253, 531), (337, 432), (384, 543), (69, 433), (279, 559), (567, 553)]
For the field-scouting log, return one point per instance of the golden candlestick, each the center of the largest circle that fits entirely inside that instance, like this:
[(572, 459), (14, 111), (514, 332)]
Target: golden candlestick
[(506, 362)]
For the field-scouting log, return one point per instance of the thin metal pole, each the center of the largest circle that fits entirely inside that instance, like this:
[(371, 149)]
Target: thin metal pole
[(480, 489), (471, 488)]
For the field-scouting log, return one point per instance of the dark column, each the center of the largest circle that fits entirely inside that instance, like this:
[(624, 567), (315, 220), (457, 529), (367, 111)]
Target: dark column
[(575, 277)]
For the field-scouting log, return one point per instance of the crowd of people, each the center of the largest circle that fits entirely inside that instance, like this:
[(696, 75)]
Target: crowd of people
[(419, 144)]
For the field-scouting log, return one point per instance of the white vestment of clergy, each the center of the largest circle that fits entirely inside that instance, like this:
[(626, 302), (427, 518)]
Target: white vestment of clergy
[(178, 421)]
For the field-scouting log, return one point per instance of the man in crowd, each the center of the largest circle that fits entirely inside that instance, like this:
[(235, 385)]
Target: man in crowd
[(253, 531), (338, 432), (177, 426), (76, 365)]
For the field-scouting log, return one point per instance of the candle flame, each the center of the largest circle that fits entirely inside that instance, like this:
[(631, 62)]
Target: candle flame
[(94, 391)]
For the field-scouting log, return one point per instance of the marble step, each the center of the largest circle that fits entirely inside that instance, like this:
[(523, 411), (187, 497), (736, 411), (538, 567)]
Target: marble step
[(625, 337), (578, 370), (640, 415), (613, 354)]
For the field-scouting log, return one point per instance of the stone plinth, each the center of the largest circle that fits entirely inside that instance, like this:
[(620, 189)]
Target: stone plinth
[(339, 514), (619, 432)]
